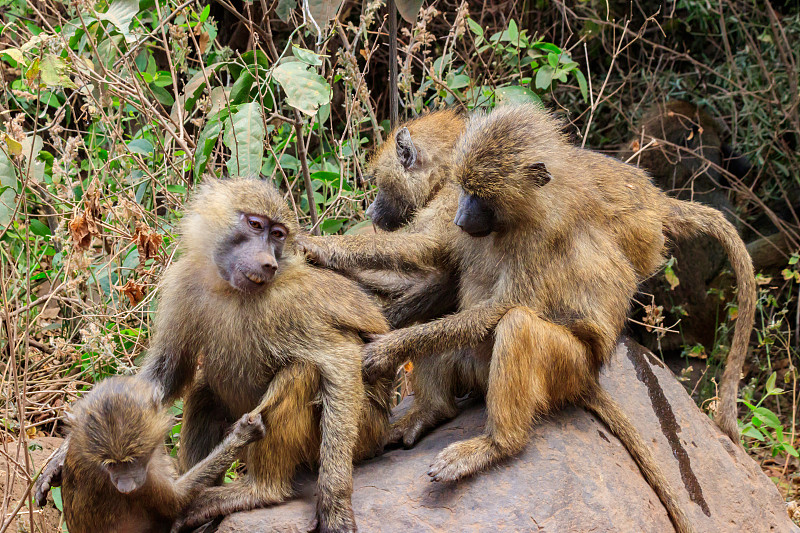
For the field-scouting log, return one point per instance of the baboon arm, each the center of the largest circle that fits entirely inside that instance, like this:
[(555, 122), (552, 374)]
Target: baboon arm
[(248, 429), (466, 328), (172, 369), (342, 390), (50, 476), (392, 251)]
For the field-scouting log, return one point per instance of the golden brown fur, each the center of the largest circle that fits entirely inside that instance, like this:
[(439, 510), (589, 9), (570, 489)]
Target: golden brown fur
[(291, 345), (123, 420), (416, 199), (573, 234)]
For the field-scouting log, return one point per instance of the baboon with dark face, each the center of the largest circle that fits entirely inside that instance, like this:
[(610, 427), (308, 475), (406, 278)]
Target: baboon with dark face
[(553, 240), (271, 329), (118, 475), (684, 150), (415, 196)]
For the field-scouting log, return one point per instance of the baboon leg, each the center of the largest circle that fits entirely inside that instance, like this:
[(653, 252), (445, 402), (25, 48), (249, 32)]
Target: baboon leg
[(205, 421), (432, 381), (292, 438), (535, 366)]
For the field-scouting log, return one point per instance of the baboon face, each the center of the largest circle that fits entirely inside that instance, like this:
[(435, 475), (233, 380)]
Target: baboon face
[(475, 216), (398, 187), (128, 476), (248, 257)]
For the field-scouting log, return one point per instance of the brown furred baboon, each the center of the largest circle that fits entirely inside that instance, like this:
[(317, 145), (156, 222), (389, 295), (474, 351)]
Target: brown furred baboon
[(683, 148), (415, 196), (271, 329), (552, 242), (117, 473)]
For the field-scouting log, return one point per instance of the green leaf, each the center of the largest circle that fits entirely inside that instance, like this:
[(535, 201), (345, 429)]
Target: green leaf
[(241, 87), (54, 72), (56, 492), (548, 47), (790, 449), (515, 94), (8, 190), (794, 259), (162, 95), (323, 11), (285, 8), (771, 382), (307, 56), (767, 417), (671, 277), (409, 9), (512, 33), (140, 146), (331, 225), (120, 13), (207, 141), (544, 77), (458, 81), (39, 228), (305, 89), (204, 14), (581, 84), (476, 28), (753, 433), (244, 136), (15, 54)]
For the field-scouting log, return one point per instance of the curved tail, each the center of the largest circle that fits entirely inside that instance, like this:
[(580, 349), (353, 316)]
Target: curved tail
[(686, 219), (607, 409)]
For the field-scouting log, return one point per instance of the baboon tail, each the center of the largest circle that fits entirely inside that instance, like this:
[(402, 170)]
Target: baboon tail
[(688, 219), (608, 410)]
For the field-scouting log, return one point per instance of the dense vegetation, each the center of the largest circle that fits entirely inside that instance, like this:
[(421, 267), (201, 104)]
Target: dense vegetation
[(112, 111)]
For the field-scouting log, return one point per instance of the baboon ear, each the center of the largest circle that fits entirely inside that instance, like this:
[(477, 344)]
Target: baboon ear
[(406, 152), (538, 174)]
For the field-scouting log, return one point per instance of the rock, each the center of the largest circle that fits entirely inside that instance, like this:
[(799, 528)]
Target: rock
[(573, 476)]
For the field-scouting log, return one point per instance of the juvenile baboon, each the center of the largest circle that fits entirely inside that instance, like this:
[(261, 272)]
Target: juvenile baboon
[(267, 325), (117, 473), (683, 148), (552, 242), (415, 196)]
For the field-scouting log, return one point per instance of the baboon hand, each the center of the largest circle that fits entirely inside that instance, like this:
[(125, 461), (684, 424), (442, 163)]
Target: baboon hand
[(50, 475), (378, 359), (250, 428), (314, 251)]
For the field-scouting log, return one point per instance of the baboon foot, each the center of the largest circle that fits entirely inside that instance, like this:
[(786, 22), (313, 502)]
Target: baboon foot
[(416, 422), (343, 521), (464, 458)]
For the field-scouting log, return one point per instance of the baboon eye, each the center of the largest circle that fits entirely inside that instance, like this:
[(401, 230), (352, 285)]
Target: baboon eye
[(278, 233), (255, 224)]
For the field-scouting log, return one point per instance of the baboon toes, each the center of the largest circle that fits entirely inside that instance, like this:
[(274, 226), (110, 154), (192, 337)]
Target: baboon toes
[(409, 429), (462, 459)]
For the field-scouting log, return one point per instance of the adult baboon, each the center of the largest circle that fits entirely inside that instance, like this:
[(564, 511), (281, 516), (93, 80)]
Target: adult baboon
[(269, 326), (117, 473)]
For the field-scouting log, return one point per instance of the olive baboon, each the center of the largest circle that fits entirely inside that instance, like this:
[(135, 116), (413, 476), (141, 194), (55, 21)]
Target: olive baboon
[(415, 196), (117, 473), (683, 149), (267, 325), (553, 241)]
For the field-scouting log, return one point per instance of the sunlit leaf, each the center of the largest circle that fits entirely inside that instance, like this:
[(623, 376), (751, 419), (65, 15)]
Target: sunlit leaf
[(120, 13), (141, 146), (8, 189), (244, 136), (305, 89), (54, 72)]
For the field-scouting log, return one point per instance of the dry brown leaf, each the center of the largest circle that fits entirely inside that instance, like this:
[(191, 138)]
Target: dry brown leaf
[(147, 242), (134, 291), (79, 231), (202, 41)]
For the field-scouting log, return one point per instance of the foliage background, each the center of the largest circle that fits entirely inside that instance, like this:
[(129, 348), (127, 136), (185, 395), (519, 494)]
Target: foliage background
[(112, 111)]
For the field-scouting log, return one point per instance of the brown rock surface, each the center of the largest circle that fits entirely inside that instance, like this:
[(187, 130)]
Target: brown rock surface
[(574, 475)]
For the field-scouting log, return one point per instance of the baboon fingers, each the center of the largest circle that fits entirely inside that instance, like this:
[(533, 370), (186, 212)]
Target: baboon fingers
[(464, 458)]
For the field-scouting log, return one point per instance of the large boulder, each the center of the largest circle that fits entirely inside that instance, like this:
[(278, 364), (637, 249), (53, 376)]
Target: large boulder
[(574, 474)]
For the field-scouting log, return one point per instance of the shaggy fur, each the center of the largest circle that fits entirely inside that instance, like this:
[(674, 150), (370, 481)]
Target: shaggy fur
[(121, 421)]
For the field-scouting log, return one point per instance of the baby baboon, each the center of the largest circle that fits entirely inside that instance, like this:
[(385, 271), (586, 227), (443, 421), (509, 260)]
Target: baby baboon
[(683, 149), (268, 325), (118, 475), (415, 196)]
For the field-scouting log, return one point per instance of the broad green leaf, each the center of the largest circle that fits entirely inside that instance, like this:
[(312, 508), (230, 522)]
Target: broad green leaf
[(39, 228), (331, 225), (141, 146), (305, 89), (790, 449), (285, 8), (544, 77), (8, 189), (241, 87), (457, 81), (54, 72), (767, 417), (120, 13), (359, 228), (322, 11), (753, 433), (244, 136), (307, 56), (207, 141), (512, 33), (475, 27), (409, 9), (516, 94), (14, 53)]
